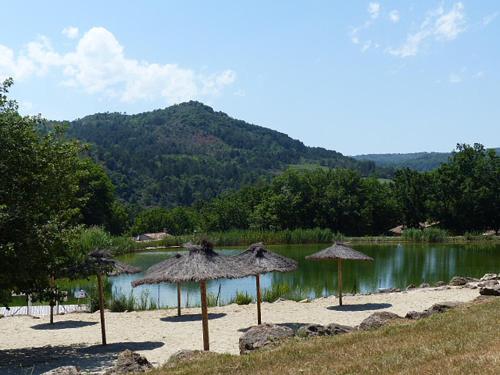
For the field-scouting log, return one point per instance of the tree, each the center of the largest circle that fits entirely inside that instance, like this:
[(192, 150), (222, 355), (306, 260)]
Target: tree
[(38, 199), (413, 193), (467, 193)]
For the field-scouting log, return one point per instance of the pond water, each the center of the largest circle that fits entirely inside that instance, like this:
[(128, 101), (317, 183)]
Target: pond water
[(394, 266)]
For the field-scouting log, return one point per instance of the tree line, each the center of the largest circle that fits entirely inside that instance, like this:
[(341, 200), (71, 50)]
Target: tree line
[(461, 195)]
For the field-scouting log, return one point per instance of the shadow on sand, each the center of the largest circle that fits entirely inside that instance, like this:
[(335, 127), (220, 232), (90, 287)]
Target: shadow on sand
[(93, 358), (191, 317), (64, 324), (360, 307)]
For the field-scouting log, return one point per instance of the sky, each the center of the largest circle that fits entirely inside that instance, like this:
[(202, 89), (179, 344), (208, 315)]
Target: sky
[(357, 77)]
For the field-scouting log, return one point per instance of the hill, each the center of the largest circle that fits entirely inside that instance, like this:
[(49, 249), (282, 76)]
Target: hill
[(420, 161), (189, 152)]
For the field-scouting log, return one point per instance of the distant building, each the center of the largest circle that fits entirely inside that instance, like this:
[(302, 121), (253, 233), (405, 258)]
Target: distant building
[(398, 231), (145, 237)]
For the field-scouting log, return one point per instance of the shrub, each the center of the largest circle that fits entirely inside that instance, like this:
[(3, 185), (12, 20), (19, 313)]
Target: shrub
[(242, 298)]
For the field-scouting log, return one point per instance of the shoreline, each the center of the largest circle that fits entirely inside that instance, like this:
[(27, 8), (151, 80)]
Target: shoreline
[(157, 334)]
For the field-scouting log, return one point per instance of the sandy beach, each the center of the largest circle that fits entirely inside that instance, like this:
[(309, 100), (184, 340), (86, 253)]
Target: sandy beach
[(75, 338)]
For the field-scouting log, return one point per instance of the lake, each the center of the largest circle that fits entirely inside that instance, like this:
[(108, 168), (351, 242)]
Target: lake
[(394, 266)]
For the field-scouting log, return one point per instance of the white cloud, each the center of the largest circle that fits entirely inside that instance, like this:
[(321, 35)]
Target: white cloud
[(394, 16), (454, 78), (489, 18), (98, 65), (374, 10), (71, 32), (438, 25), (479, 75)]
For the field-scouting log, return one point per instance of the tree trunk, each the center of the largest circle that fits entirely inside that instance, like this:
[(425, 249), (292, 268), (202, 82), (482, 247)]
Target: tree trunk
[(101, 308), (204, 314), (257, 285), (340, 280)]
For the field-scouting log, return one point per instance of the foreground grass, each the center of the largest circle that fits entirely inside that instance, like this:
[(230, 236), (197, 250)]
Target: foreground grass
[(462, 341)]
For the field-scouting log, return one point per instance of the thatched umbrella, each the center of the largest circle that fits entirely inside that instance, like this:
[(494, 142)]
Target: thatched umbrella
[(101, 262), (257, 260), (339, 251), (158, 266), (200, 264)]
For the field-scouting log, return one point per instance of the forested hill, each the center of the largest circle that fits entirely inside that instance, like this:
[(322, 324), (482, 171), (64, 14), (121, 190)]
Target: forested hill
[(189, 152), (419, 161)]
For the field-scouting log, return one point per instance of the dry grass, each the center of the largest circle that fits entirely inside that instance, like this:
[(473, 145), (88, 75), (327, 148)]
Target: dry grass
[(462, 341)]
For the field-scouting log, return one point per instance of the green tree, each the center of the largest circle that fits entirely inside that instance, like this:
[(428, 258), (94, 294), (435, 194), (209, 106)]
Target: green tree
[(467, 190), (38, 199), (412, 190)]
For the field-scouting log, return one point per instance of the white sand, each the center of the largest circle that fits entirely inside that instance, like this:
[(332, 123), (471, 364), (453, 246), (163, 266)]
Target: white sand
[(157, 338)]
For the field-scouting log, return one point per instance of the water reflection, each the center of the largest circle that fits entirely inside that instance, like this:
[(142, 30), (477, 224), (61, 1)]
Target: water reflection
[(394, 266)]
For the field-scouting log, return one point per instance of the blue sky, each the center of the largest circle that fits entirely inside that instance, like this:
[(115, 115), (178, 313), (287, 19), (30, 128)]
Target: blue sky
[(356, 77)]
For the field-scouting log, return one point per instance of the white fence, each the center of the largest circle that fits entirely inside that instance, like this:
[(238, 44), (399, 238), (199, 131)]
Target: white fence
[(42, 310)]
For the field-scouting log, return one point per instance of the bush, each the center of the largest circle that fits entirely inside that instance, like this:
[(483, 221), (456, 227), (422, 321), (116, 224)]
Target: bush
[(425, 235), (242, 298), (276, 291)]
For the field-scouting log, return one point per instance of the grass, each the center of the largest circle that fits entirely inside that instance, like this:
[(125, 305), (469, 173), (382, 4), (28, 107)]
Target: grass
[(425, 235), (461, 341), (241, 298)]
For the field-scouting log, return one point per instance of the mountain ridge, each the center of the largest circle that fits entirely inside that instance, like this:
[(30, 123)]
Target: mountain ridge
[(188, 152)]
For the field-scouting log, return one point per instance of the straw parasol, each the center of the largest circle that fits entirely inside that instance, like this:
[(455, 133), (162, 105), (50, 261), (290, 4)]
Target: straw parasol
[(257, 260), (200, 264), (339, 251), (165, 264), (101, 262)]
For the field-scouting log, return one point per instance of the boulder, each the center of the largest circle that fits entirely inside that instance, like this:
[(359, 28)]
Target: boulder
[(377, 319), (332, 329), (338, 329), (488, 283), (490, 276), (129, 362), (490, 291), (263, 335), (460, 280), (434, 309), (424, 285), (185, 355), (440, 283), (411, 286), (63, 370)]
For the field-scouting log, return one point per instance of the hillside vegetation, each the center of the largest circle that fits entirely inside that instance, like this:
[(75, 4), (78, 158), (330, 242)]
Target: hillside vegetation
[(188, 152), (419, 161)]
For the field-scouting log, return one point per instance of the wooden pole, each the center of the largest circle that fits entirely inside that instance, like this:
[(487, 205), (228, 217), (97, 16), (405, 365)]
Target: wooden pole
[(204, 314), (178, 299), (101, 307), (257, 285), (52, 300), (340, 280)]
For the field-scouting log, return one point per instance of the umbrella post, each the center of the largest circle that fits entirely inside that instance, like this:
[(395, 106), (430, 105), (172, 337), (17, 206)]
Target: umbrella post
[(257, 284), (178, 299), (340, 280), (101, 307), (204, 314)]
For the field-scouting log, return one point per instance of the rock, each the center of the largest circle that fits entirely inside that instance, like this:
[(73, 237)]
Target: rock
[(63, 370), (129, 362), (490, 291), (338, 329), (309, 330), (434, 309), (1, 316), (280, 299), (490, 276), (332, 329), (488, 283), (460, 280), (483, 299), (184, 355), (411, 286), (263, 335), (440, 283), (306, 300), (424, 285), (377, 319)]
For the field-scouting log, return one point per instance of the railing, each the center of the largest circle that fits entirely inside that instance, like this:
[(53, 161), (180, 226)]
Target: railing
[(42, 310)]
